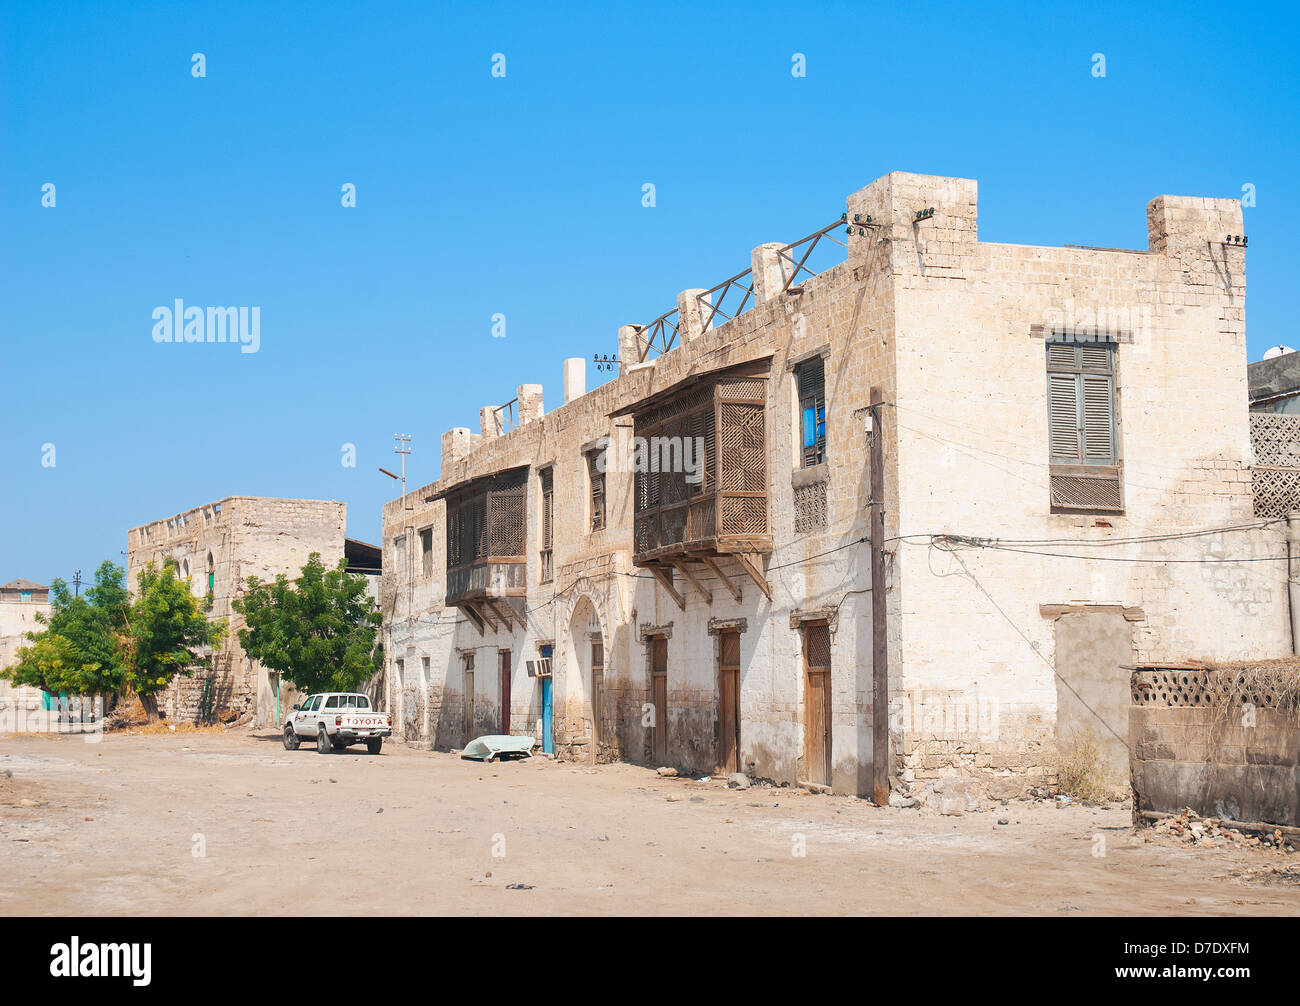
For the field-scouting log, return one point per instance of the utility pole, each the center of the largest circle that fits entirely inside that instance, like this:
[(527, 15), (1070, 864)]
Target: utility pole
[(879, 625), (76, 584), (401, 447)]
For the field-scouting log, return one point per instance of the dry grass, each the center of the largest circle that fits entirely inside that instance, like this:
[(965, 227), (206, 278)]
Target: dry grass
[(164, 727), (1236, 691), (1265, 684), (1079, 773)]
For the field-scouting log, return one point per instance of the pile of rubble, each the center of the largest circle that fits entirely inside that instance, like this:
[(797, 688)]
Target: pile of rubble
[(1189, 828)]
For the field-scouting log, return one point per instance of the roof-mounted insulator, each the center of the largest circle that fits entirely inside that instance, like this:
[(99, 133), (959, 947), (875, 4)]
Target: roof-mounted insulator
[(860, 221)]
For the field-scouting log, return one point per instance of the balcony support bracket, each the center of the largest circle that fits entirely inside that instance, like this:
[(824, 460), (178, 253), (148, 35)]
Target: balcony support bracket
[(726, 580), (661, 575), (684, 567), (751, 565), (474, 617)]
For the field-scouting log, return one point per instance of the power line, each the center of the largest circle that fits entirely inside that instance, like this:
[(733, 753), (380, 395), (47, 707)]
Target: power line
[(1034, 648), (974, 543), (1032, 445), (1140, 539)]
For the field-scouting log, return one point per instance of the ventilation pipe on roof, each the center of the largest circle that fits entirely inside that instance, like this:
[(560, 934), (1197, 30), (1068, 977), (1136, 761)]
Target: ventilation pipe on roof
[(575, 378)]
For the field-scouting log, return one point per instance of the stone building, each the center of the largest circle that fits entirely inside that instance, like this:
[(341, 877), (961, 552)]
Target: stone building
[(1274, 382), (1057, 431), (20, 602), (217, 547)]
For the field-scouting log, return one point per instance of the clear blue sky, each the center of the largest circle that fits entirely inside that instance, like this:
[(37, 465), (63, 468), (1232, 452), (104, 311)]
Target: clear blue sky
[(522, 196)]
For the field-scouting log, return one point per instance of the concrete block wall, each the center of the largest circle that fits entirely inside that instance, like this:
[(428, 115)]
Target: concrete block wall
[(1202, 757)]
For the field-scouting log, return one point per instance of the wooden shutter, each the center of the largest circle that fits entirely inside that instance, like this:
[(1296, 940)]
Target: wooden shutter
[(1060, 356), (548, 507), (1063, 418), (1084, 446), (1081, 403), (811, 377), (1098, 401), (597, 491), (1095, 356)]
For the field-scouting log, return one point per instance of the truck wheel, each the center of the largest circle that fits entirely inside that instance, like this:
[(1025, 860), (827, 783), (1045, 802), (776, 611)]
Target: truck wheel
[(291, 741), (374, 744), (339, 745), (323, 745)]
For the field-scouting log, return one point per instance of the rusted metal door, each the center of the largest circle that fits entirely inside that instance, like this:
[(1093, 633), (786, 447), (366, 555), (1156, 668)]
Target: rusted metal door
[(729, 702), (659, 693), (817, 701), (505, 691)]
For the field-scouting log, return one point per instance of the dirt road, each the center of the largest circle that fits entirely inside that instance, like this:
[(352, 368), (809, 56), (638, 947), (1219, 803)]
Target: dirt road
[(217, 824)]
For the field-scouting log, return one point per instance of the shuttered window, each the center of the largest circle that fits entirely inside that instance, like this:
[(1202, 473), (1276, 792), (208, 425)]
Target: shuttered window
[(1081, 403), (547, 480), (548, 507), (811, 378), (426, 551), (1082, 427), (595, 466)]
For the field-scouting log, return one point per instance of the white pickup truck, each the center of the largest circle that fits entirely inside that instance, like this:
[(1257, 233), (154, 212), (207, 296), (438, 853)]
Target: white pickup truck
[(335, 720)]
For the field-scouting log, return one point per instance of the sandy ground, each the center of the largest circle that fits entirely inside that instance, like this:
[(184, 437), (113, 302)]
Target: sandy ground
[(112, 828)]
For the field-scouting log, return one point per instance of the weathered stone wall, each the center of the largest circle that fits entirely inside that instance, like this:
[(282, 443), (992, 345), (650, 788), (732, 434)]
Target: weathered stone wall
[(244, 536), (1229, 762), (970, 422), (17, 618), (951, 331)]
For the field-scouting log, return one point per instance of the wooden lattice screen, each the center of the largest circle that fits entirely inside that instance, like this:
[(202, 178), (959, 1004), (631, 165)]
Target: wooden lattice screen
[(742, 468), (487, 521), (721, 425)]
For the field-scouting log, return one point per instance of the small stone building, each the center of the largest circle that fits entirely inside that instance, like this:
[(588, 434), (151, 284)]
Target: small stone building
[(217, 547), (676, 567), (20, 602)]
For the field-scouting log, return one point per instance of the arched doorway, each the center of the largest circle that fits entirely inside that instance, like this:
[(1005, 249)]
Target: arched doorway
[(584, 673)]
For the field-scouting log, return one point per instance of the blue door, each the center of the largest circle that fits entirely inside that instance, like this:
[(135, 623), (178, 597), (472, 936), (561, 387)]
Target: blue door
[(548, 708)]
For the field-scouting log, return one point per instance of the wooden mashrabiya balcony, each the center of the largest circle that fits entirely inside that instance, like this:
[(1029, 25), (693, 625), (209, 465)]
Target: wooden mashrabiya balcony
[(715, 508), (487, 547)]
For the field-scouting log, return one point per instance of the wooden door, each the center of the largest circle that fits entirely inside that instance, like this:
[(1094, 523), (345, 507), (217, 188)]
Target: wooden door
[(469, 702), (729, 702), (505, 691), (597, 690), (817, 701), (659, 696)]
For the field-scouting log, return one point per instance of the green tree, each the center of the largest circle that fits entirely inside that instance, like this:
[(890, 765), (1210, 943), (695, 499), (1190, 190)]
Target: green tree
[(51, 663), (80, 649), (318, 631), (167, 633)]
